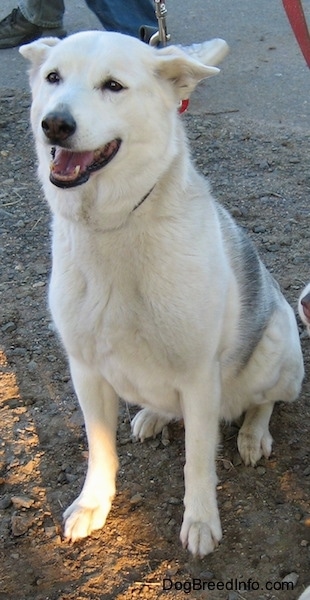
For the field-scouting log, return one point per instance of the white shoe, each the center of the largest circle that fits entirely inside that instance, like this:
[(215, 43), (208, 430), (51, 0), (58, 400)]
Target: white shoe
[(209, 53)]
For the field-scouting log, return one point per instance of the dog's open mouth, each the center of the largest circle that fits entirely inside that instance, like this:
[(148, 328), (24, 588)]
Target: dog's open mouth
[(69, 169)]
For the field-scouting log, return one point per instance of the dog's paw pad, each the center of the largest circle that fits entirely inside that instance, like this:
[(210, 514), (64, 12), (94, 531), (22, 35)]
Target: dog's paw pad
[(81, 520), (252, 446), (200, 538), (147, 424)]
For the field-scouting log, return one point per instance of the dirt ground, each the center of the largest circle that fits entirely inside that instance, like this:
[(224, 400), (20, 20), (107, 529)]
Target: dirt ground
[(262, 176)]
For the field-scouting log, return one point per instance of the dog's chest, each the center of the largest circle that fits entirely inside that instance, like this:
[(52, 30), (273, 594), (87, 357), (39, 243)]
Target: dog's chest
[(126, 320)]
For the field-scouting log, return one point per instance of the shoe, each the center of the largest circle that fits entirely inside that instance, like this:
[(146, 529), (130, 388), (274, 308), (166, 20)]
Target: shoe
[(15, 30), (209, 53)]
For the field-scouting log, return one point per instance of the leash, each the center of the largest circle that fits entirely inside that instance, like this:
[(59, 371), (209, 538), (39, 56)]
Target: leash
[(162, 37), (297, 19)]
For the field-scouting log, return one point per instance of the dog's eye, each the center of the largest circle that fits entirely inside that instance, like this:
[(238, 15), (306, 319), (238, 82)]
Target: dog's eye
[(53, 77), (112, 85)]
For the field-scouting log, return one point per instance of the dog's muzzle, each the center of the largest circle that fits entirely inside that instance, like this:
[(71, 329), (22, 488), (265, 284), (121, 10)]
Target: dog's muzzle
[(69, 169)]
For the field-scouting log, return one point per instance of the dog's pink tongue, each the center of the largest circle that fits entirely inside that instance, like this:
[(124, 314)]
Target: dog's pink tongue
[(67, 166)]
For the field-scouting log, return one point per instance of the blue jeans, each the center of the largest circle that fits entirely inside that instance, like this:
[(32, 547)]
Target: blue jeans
[(125, 16)]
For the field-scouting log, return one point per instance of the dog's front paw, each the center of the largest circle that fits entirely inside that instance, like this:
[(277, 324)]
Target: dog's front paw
[(82, 518), (147, 424), (199, 537), (252, 445)]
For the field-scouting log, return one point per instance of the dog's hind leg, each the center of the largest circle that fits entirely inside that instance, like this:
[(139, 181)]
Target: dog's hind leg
[(147, 424), (99, 404), (254, 439)]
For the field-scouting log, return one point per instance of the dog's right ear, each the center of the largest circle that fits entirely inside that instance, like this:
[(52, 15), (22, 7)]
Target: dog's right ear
[(37, 51), (182, 70)]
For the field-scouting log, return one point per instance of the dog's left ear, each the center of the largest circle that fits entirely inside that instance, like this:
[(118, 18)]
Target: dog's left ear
[(183, 71), (37, 51)]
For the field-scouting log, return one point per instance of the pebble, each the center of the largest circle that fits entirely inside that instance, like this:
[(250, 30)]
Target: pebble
[(22, 501), (259, 229), (8, 327), (273, 248), (5, 502), (20, 525), (291, 578), (32, 366), (165, 436), (29, 467), (50, 531), (206, 575), (174, 500), (260, 470), (237, 460), (136, 499)]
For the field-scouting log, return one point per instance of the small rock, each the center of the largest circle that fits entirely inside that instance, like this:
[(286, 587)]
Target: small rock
[(237, 460), (70, 477), (8, 327), (20, 525), (29, 467), (232, 596), (50, 531), (227, 505), (259, 229), (22, 501), (236, 212), (291, 578), (261, 470), (172, 571), (173, 500), (273, 248), (136, 499), (5, 502), (165, 436), (32, 366), (206, 575)]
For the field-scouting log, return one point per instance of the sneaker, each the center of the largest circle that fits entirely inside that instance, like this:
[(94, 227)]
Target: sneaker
[(15, 30), (209, 53)]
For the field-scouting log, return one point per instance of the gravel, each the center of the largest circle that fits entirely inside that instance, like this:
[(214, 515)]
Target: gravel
[(262, 175)]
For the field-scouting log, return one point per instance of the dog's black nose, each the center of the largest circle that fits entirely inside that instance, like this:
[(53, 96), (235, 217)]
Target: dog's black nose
[(58, 125)]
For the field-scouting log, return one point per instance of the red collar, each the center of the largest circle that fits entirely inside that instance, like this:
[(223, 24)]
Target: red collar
[(183, 106)]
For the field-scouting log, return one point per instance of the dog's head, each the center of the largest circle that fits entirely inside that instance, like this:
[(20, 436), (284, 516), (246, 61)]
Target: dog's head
[(105, 100)]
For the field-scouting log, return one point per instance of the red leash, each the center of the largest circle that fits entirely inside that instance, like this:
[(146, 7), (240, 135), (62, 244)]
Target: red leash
[(297, 19)]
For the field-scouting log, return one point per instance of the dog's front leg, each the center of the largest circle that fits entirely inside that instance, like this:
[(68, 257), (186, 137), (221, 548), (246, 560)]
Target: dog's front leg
[(99, 404), (201, 528)]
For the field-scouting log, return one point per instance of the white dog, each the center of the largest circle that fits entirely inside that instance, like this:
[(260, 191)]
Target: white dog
[(305, 595), (158, 296)]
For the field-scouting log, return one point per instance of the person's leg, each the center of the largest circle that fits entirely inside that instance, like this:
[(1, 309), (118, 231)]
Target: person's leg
[(43, 13), (30, 20), (125, 16)]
